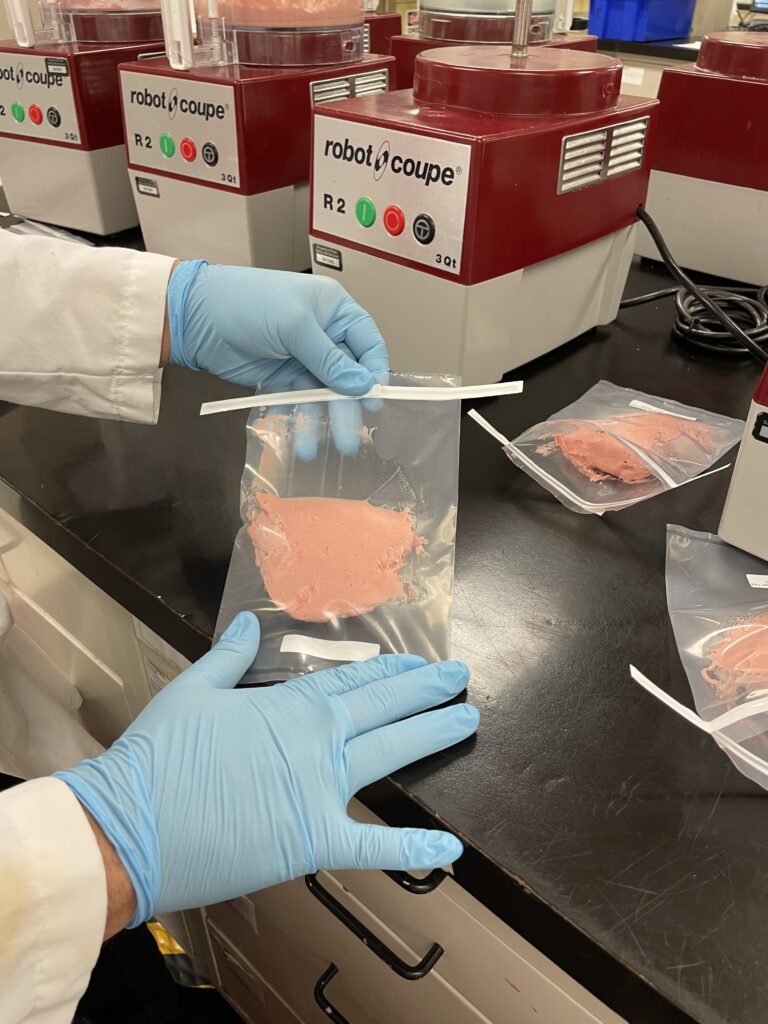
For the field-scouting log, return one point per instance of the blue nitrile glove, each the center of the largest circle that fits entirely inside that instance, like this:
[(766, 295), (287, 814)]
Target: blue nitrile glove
[(270, 330), (215, 792)]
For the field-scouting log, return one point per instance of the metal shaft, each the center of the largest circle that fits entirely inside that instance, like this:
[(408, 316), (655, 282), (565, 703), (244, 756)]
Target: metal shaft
[(523, 12)]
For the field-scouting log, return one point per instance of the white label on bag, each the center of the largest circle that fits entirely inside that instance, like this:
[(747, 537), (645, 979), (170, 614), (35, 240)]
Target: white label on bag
[(637, 404), (331, 650), (759, 582)]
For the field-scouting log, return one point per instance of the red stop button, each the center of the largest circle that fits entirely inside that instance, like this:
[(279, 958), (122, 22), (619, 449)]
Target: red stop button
[(394, 220), (188, 150), (35, 114)]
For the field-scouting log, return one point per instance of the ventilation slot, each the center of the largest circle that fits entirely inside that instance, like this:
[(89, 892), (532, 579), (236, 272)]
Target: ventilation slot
[(330, 89), (592, 157), (366, 38), (366, 84), (627, 147), (370, 82)]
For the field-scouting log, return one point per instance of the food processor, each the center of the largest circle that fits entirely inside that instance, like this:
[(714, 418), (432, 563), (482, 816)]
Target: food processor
[(743, 521), (488, 215), (708, 191), (218, 131), (454, 22), (62, 155), (379, 28)]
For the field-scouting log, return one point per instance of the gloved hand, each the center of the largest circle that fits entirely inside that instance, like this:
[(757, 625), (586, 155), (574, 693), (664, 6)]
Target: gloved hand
[(214, 792), (274, 331)]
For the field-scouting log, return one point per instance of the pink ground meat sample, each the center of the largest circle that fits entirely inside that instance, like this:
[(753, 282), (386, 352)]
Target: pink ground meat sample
[(738, 660), (600, 456), (322, 558)]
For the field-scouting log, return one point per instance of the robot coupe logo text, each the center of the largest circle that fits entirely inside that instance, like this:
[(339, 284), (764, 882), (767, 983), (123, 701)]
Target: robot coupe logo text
[(425, 170), (171, 102), (21, 75)]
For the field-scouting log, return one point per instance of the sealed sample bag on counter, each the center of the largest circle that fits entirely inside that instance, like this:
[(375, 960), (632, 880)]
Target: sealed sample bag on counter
[(345, 556), (718, 603), (614, 447)]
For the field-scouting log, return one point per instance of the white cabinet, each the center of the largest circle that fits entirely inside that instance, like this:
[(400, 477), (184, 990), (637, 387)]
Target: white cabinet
[(87, 635), (488, 973), (291, 940)]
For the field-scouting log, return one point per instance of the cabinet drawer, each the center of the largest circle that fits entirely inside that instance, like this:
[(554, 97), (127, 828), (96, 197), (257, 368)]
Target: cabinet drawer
[(492, 966), (63, 593), (165, 658), (104, 710), (199, 949), (291, 939), (242, 986)]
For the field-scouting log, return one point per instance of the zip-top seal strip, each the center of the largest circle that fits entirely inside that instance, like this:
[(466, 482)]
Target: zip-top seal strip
[(483, 422), (713, 728), (386, 391), (542, 474), (654, 467), (600, 510)]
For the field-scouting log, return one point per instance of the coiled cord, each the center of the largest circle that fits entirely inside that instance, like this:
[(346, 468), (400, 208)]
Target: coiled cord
[(715, 319)]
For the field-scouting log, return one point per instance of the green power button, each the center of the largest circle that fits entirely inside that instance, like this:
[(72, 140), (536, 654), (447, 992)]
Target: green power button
[(17, 112), (365, 211), (167, 145)]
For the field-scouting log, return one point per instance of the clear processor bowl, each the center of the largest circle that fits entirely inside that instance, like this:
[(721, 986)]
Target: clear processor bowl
[(111, 21), (481, 21), (296, 32)]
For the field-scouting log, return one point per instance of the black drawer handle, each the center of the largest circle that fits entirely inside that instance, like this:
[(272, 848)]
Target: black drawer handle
[(410, 972), (322, 1001), (418, 886)]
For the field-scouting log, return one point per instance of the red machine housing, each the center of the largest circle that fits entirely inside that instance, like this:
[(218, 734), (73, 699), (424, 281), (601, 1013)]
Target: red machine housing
[(713, 123), (515, 119), (95, 86), (405, 50), (273, 112), (380, 28)]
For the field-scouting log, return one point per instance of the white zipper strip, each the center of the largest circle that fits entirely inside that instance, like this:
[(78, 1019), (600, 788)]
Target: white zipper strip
[(408, 394), (475, 415), (654, 467), (713, 728), (590, 506)]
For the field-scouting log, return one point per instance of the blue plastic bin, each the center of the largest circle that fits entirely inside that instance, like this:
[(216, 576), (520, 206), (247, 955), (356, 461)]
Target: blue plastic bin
[(641, 20)]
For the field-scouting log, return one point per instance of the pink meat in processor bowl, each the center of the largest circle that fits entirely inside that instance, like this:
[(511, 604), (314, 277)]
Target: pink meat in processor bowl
[(738, 659), (327, 558), (595, 448)]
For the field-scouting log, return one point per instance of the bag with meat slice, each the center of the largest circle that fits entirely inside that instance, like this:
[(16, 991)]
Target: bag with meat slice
[(718, 604), (615, 446), (346, 556)]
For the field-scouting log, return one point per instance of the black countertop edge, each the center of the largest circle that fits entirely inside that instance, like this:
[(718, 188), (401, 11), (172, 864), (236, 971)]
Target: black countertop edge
[(626, 993), (667, 49), (186, 638)]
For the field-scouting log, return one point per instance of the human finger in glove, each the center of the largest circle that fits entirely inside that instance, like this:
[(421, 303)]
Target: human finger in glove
[(270, 330), (214, 792)]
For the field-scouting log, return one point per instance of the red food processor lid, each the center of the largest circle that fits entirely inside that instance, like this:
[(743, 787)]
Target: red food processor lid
[(736, 54), (546, 83)]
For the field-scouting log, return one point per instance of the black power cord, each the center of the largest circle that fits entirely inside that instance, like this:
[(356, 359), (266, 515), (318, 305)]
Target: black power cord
[(725, 321)]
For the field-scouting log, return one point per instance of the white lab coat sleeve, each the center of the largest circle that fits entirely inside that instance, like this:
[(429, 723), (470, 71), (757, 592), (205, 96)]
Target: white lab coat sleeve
[(53, 903), (81, 328)]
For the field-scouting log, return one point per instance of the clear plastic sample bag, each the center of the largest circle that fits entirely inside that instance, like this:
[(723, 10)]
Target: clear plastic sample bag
[(718, 603), (343, 557), (614, 447)]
